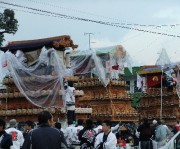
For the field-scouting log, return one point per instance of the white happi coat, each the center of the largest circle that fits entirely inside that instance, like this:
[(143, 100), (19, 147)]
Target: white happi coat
[(70, 134), (78, 129), (109, 144), (17, 138)]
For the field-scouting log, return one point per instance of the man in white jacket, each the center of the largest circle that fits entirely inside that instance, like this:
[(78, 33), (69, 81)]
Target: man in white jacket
[(17, 136), (106, 139)]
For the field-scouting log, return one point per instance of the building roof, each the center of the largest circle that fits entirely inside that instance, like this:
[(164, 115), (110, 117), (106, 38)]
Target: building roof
[(152, 69), (59, 42)]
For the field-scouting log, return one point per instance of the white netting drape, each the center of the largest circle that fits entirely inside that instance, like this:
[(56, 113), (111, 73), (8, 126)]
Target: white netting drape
[(42, 83), (89, 64), (103, 63)]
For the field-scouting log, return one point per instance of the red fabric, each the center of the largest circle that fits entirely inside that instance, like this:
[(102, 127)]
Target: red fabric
[(153, 80), (115, 67), (177, 127), (123, 144)]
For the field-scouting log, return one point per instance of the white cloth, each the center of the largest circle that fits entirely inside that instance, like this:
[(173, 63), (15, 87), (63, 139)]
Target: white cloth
[(137, 134), (161, 134), (139, 82), (69, 97), (17, 137), (43, 57), (154, 143), (71, 108), (20, 56), (78, 129), (115, 128), (115, 74), (98, 129), (109, 144), (70, 134)]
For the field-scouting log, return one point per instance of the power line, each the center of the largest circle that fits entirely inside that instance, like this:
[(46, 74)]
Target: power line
[(31, 12), (77, 11), (92, 21), (87, 13)]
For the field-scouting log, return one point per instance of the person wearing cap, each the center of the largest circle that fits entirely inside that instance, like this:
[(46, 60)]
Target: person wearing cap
[(153, 128), (17, 136), (44, 137)]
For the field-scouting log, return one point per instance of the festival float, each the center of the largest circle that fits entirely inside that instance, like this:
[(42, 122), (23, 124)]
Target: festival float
[(101, 77), (160, 90), (35, 81), (159, 96)]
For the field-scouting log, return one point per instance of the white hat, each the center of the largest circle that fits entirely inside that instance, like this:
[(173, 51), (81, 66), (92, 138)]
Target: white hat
[(154, 122)]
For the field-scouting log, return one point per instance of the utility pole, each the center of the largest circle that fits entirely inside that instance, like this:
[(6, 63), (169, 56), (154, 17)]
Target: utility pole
[(89, 38)]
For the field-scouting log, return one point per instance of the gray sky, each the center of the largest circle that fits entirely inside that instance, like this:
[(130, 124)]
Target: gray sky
[(143, 47)]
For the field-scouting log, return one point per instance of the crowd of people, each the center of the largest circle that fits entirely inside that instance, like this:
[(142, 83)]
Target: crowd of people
[(84, 135), (50, 135), (156, 134)]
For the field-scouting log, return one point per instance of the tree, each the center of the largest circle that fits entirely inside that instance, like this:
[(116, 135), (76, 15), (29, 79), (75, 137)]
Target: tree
[(8, 24)]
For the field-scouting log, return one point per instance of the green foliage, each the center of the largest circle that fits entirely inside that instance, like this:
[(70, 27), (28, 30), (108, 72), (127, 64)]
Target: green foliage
[(135, 100), (8, 24)]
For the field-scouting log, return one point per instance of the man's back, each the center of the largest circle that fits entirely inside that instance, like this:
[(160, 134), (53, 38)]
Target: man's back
[(70, 134), (17, 137), (44, 137), (161, 133)]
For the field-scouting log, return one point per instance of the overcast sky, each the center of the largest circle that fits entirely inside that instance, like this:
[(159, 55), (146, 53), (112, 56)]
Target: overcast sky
[(142, 46)]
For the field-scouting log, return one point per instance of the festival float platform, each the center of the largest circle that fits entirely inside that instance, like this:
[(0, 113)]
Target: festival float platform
[(13, 102)]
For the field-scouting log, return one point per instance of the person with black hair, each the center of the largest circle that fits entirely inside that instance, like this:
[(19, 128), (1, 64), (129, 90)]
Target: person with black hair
[(70, 100), (176, 128), (145, 135), (45, 137), (106, 140), (58, 127), (87, 135), (5, 139), (29, 125)]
